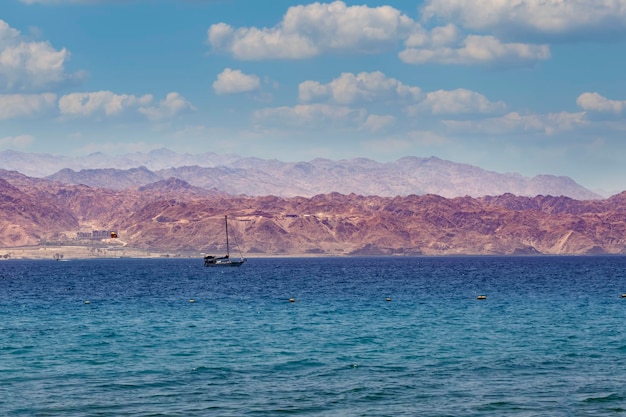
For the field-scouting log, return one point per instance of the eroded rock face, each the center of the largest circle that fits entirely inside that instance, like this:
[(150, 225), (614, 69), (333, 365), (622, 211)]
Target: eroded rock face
[(171, 215)]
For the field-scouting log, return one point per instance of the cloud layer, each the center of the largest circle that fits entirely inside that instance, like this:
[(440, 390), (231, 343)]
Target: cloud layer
[(331, 28)]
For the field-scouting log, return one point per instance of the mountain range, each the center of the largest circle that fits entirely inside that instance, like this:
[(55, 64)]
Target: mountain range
[(234, 175), (174, 216)]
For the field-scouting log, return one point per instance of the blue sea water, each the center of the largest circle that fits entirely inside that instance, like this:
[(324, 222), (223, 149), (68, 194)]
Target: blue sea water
[(549, 340)]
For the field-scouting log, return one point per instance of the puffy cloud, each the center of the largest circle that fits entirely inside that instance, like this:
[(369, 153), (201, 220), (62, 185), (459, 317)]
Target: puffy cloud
[(369, 87), (173, 105), (459, 101), (21, 105), (472, 50), (311, 90), (21, 141), (317, 28), (234, 81), (310, 30), (351, 88), (107, 103), (597, 103), (29, 66), (100, 102), (514, 122), (438, 36), (532, 17)]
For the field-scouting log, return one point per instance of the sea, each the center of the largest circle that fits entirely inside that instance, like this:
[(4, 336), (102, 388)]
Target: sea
[(340, 336)]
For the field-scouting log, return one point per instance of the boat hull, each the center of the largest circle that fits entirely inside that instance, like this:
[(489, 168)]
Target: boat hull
[(226, 262)]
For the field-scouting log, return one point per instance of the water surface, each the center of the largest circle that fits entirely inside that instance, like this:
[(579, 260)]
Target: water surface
[(548, 340)]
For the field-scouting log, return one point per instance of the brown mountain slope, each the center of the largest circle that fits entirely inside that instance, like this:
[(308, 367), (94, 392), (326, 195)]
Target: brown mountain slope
[(171, 216), (27, 220)]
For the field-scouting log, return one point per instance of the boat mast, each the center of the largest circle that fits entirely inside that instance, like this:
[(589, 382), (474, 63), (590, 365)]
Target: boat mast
[(227, 247)]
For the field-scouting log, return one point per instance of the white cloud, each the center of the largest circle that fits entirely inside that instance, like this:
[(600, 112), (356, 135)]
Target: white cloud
[(532, 17), (30, 66), (311, 90), (472, 50), (459, 101), (100, 103), (597, 103), (363, 87), (376, 122), (310, 30), (514, 122), (173, 105), (232, 81), (107, 103), (312, 115), (21, 141), (438, 36), (317, 28), (23, 105), (368, 87)]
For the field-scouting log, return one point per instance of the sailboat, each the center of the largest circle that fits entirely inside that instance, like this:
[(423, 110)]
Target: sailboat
[(224, 260)]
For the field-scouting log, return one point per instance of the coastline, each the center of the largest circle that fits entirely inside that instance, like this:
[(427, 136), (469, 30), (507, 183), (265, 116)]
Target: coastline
[(75, 252), (67, 252)]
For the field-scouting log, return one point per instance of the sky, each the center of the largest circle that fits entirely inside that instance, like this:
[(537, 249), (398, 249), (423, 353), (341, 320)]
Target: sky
[(526, 86)]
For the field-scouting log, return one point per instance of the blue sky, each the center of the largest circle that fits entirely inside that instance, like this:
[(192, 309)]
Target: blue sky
[(528, 86)]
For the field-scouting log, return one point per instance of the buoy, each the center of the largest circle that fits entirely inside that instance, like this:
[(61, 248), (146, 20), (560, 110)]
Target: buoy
[(481, 297), (388, 298), (87, 302), (292, 300)]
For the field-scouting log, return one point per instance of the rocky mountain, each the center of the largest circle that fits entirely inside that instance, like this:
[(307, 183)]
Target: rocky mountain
[(256, 177), (26, 217), (174, 216)]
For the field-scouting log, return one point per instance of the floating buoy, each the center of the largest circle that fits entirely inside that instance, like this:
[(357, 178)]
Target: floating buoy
[(481, 297), (87, 302), (292, 300), (388, 298)]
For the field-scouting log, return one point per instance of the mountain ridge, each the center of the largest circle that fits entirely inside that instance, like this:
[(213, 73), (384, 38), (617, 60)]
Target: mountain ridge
[(235, 175)]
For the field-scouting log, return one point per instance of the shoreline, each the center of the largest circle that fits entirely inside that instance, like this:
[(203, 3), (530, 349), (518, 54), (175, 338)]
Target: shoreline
[(58, 252), (73, 252)]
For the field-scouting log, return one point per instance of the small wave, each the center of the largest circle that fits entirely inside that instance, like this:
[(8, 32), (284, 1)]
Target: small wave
[(212, 369), (606, 398), (500, 406), (298, 365)]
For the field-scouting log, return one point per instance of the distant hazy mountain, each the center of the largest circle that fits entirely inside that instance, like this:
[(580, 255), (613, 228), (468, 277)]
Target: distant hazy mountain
[(41, 165), (255, 177)]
